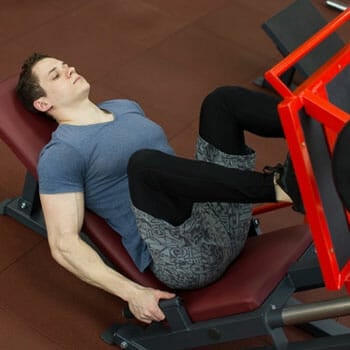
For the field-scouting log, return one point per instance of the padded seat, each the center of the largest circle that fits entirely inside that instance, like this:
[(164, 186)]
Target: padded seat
[(264, 261)]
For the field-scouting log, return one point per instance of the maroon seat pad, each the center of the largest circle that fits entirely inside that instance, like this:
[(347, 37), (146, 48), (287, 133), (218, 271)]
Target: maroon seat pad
[(250, 279), (262, 264), (244, 286)]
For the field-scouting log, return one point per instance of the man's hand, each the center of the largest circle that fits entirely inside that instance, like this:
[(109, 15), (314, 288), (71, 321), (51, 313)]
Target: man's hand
[(64, 214), (144, 303)]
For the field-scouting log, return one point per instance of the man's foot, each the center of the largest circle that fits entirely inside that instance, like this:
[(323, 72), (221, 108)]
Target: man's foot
[(285, 178)]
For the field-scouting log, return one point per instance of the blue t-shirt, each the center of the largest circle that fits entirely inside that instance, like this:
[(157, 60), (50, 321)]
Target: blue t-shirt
[(93, 159)]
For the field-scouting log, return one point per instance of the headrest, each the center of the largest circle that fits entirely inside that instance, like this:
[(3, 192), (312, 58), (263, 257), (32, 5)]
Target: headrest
[(341, 165)]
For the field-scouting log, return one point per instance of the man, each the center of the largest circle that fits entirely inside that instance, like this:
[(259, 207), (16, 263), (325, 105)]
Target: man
[(66, 91), (176, 224)]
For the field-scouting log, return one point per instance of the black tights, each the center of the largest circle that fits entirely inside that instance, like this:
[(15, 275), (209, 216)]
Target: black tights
[(229, 111), (166, 186)]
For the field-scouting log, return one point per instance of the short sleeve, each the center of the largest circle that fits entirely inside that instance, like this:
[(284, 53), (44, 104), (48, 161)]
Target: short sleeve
[(60, 170)]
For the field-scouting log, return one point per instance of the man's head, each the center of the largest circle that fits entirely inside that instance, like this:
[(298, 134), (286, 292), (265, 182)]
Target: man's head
[(49, 85), (28, 88)]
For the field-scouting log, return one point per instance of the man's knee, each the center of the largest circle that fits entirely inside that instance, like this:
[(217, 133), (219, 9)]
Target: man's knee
[(219, 113), (138, 174), (143, 159), (221, 94), (137, 161)]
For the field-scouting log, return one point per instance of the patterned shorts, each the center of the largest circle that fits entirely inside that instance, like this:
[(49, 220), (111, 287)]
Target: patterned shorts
[(198, 251)]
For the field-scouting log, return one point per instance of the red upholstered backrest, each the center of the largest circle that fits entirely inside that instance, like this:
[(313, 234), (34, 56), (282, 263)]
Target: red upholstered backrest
[(24, 132)]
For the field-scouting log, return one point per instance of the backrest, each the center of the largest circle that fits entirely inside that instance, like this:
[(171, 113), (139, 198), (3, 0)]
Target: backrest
[(312, 116), (295, 24), (33, 132)]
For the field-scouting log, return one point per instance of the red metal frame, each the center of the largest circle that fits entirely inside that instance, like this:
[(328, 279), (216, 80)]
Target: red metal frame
[(312, 97)]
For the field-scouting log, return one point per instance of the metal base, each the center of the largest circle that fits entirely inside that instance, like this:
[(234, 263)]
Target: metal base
[(177, 334), (14, 209)]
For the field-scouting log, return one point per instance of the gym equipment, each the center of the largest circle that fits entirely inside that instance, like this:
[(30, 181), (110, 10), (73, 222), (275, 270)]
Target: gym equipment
[(312, 117), (255, 295), (193, 310), (290, 28)]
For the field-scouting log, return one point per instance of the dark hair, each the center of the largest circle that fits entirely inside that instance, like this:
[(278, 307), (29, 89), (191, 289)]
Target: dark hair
[(28, 88)]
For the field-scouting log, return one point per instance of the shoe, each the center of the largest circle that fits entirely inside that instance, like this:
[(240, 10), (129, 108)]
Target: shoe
[(285, 178)]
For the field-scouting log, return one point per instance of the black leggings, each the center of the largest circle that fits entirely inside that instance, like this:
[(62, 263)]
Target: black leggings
[(166, 186)]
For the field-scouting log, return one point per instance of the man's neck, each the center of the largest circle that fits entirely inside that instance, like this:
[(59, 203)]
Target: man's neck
[(84, 113)]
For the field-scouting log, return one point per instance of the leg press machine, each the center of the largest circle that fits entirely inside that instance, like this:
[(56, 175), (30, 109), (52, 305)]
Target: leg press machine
[(255, 295)]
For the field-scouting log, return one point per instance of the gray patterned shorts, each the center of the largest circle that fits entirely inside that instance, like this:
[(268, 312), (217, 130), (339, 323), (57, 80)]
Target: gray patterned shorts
[(198, 251)]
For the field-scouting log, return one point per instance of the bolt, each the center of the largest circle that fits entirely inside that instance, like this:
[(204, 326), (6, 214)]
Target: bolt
[(123, 345)]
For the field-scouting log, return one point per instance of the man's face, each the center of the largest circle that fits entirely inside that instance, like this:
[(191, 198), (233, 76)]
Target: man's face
[(62, 84)]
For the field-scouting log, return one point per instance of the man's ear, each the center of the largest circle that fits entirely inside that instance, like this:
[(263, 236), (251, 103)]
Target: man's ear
[(42, 104)]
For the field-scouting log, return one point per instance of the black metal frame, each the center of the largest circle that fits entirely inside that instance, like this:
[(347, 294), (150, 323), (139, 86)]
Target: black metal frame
[(179, 332), (26, 208)]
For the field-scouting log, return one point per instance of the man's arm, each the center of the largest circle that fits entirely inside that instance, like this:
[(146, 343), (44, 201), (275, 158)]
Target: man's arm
[(64, 215)]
